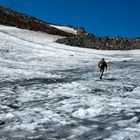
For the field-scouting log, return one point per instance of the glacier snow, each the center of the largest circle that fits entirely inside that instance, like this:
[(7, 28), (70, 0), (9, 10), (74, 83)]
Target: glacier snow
[(52, 91)]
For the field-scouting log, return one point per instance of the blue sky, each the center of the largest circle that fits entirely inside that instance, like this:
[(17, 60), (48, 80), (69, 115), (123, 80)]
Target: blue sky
[(100, 17)]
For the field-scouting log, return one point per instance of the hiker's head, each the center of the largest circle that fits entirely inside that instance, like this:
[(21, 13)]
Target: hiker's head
[(103, 59)]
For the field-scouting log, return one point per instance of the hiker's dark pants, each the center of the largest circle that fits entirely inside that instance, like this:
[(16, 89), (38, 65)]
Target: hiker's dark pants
[(101, 73)]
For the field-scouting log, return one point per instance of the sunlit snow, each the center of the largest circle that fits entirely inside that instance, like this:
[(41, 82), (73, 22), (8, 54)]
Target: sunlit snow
[(51, 91), (65, 29)]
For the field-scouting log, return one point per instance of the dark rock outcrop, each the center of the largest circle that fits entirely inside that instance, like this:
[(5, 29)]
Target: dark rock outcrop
[(101, 43), (11, 18)]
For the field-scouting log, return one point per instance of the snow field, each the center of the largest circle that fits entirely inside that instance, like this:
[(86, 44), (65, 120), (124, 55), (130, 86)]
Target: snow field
[(53, 91)]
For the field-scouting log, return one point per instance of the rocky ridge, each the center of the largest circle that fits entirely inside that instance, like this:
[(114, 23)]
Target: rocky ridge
[(81, 39), (101, 43), (9, 17)]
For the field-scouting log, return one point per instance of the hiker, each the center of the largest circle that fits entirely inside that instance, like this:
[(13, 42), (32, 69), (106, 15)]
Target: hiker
[(102, 65)]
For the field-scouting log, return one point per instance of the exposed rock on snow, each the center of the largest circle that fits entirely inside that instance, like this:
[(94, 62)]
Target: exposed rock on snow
[(101, 43)]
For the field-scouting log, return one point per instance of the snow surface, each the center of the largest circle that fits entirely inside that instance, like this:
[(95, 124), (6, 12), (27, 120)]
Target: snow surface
[(65, 29), (51, 91)]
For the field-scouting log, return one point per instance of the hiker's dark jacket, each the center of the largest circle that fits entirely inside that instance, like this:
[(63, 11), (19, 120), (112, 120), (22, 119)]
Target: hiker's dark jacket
[(102, 64)]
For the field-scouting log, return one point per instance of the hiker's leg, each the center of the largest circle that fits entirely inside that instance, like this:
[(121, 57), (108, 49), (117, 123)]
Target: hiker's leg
[(101, 73)]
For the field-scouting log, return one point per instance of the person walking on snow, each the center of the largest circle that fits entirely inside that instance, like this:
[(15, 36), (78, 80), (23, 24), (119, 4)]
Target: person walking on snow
[(102, 65)]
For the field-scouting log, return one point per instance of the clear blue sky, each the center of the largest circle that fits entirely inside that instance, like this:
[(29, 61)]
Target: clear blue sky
[(100, 17)]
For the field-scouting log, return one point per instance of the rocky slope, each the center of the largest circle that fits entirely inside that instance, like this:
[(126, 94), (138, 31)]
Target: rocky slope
[(11, 18), (81, 38), (101, 43)]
